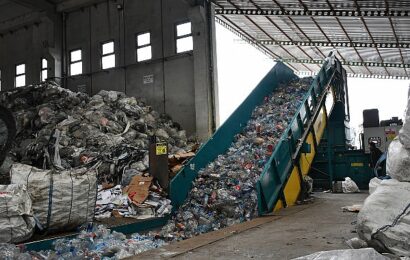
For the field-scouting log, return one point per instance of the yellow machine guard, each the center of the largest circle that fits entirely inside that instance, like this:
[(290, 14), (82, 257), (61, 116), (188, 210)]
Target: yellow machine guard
[(293, 186)]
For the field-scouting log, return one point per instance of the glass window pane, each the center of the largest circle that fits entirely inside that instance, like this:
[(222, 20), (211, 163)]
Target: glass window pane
[(20, 81), (20, 69), (184, 29), (108, 61), (76, 68), (144, 39), (184, 44), (144, 53), (108, 48), (75, 55), (44, 75), (44, 64)]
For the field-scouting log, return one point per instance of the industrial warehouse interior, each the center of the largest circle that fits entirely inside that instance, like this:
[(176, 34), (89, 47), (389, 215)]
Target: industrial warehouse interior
[(204, 129)]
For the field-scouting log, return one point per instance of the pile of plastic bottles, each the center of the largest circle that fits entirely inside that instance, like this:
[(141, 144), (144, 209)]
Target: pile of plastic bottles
[(224, 192), (100, 243)]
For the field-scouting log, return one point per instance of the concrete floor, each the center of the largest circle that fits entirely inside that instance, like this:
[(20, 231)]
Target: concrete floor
[(293, 232)]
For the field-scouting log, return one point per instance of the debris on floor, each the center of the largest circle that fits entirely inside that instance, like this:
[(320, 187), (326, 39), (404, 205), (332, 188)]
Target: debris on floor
[(356, 243), (224, 192), (353, 208), (345, 254), (349, 186)]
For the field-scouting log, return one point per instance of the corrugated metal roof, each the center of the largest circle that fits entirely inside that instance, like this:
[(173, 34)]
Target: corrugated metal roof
[(371, 38)]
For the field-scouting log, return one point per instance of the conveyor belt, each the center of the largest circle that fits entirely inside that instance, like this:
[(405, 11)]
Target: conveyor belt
[(280, 183)]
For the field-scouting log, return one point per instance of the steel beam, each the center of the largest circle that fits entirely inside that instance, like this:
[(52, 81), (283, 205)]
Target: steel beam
[(381, 45), (277, 27), (355, 75), (11, 25), (340, 13), (352, 63), (70, 5), (39, 5)]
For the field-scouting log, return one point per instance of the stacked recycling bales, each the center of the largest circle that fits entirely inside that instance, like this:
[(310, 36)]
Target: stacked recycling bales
[(224, 192), (384, 220)]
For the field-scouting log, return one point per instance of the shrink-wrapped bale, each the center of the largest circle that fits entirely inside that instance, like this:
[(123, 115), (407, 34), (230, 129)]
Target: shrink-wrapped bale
[(398, 161), (61, 199), (16, 216), (384, 220)]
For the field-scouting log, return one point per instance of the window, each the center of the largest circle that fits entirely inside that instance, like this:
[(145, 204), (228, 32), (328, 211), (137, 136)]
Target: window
[(144, 51), (20, 80), (44, 70), (76, 62), (108, 55), (184, 37)]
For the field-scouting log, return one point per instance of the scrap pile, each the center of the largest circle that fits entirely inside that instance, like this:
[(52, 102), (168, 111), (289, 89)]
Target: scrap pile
[(384, 220), (224, 192), (58, 127), (61, 130), (100, 243)]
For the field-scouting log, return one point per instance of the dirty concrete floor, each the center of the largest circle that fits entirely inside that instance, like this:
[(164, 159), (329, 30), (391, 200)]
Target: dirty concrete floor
[(298, 231)]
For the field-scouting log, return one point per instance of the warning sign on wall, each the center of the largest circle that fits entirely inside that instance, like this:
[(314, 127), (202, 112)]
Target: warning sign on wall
[(148, 79)]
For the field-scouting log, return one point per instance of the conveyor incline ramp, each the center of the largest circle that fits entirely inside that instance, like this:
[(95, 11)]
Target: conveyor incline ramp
[(281, 182)]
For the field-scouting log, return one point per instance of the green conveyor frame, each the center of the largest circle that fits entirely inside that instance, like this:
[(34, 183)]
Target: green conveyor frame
[(224, 136), (277, 170)]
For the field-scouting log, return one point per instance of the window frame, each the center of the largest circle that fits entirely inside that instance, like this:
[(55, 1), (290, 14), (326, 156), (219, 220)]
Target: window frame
[(75, 62), (143, 46), (182, 36), (44, 69), (107, 54), (19, 75)]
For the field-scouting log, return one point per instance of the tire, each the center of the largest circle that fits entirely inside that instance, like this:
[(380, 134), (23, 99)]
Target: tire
[(7, 118)]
